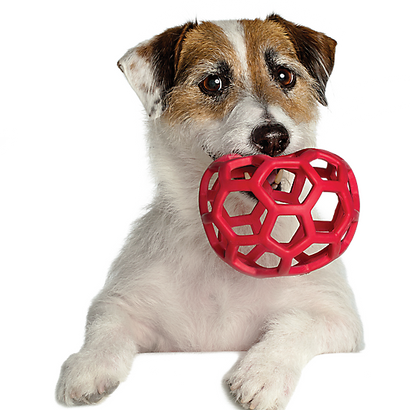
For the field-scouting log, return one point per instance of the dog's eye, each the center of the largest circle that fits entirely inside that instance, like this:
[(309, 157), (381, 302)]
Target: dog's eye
[(285, 77), (212, 85)]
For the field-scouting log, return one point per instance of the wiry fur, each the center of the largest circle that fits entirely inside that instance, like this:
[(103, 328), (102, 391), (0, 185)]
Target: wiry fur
[(167, 290)]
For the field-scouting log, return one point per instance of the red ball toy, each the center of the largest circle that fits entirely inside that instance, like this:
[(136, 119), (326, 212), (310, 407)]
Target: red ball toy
[(254, 239)]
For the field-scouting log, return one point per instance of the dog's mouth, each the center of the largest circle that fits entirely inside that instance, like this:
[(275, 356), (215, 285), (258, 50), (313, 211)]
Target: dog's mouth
[(274, 179)]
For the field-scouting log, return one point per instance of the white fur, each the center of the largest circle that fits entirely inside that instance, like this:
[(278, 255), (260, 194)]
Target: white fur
[(142, 81), (168, 291), (235, 34)]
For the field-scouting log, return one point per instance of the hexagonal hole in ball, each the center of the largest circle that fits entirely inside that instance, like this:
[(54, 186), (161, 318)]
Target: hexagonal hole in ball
[(268, 260), (325, 207), (243, 206), (326, 170), (285, 228)]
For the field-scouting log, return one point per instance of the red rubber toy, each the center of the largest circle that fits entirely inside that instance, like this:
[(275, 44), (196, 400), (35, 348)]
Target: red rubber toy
[(247, 238)]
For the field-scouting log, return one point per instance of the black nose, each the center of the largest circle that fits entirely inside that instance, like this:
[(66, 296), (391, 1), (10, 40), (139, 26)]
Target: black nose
[(271, 139)]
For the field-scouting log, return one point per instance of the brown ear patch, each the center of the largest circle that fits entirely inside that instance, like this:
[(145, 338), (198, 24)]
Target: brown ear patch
[(163, 53), (315, 51)]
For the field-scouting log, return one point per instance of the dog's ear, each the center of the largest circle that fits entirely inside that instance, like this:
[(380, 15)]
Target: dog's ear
[(150, 67), (315, 51)]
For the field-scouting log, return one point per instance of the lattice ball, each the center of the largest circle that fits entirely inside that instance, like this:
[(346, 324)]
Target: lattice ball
[(276, 231)]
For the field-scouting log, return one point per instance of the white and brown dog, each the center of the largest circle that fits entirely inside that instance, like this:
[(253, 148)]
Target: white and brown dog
[(247, 87)]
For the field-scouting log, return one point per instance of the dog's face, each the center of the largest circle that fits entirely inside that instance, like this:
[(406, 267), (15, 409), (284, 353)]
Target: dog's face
[(247, 86)]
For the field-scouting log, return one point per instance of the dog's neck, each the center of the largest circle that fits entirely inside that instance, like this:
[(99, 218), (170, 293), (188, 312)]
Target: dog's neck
[(177, 167)]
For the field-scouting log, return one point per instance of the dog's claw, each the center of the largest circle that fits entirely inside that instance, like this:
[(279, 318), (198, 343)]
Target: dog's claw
[(96, 397)]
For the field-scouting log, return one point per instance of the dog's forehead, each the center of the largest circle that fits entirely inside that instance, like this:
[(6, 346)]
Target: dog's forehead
[(208, 43), (237, 41), (261, 35)]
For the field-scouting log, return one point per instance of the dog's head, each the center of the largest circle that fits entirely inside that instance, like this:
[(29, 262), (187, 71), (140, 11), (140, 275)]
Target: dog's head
[(246, 86)]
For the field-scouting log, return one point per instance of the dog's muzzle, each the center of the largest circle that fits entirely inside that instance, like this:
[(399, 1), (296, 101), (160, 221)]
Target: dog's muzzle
[(270, 139)]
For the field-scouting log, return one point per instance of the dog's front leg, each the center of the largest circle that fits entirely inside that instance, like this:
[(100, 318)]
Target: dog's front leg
[(106, 356), (265, 378)]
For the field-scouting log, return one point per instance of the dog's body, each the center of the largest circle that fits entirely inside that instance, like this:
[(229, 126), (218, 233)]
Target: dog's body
[(211, 89)]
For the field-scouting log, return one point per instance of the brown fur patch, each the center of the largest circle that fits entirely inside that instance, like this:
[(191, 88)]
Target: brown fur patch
[(203, 51), (262, 36), (206, 46), (315, 51), (163, 52)]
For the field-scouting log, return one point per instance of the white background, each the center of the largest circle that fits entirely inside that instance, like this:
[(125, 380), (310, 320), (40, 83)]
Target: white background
[(74, 175)]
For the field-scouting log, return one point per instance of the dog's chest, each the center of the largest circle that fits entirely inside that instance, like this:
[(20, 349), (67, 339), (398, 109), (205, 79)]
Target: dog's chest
[(224, 316)]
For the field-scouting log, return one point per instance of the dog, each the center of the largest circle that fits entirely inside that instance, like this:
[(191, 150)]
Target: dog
[(214, 88)]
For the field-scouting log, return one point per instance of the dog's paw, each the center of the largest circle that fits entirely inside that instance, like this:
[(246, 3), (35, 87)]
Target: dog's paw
[(262, 384), (86, 380)]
